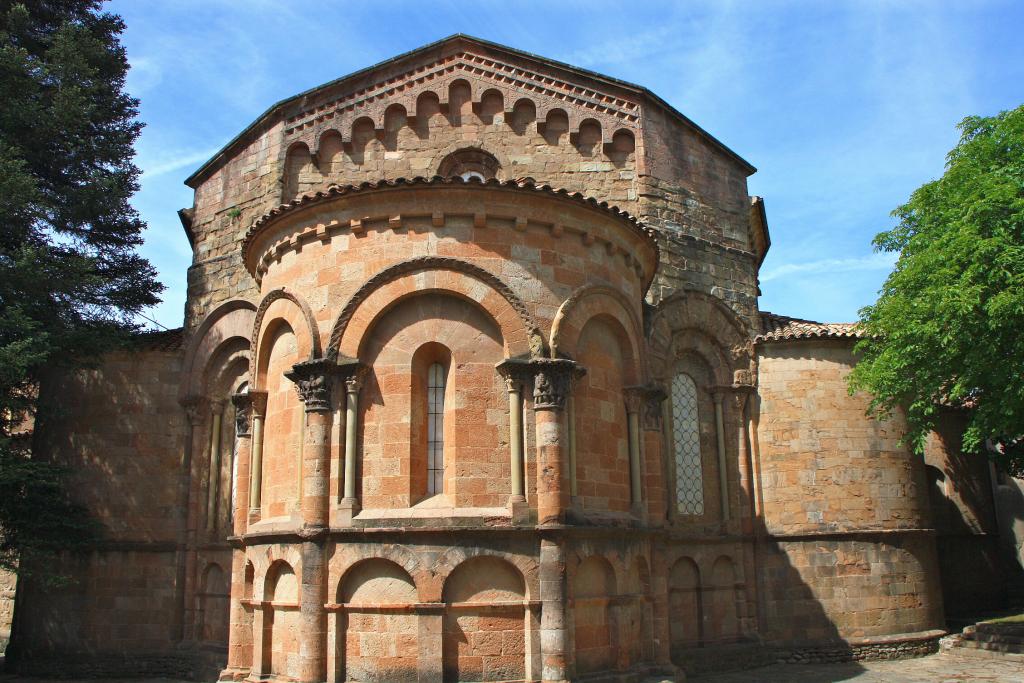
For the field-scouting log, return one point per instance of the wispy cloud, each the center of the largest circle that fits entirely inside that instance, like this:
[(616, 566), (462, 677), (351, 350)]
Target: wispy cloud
[(877, 261), (167, 164)]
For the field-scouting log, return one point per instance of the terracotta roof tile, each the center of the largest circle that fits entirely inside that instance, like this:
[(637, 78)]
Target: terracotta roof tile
[(775, 328), (161, 340)]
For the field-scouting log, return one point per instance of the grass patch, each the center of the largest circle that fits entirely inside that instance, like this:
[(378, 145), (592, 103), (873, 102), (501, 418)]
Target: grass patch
[(1011, 619)]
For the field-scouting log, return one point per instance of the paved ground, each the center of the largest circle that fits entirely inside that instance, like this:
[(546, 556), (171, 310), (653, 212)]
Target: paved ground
[(940, 668)]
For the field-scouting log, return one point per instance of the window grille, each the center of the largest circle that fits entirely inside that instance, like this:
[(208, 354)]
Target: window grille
[(686, 441), (435, 429)]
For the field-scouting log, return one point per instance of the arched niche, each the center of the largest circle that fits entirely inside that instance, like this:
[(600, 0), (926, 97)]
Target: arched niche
[(594, 627)]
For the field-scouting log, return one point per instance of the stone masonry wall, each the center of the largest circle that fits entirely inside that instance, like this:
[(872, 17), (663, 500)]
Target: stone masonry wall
[(119, 430)]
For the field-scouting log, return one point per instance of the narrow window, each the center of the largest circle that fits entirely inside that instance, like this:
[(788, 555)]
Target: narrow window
[(435, 429), (686, 441)]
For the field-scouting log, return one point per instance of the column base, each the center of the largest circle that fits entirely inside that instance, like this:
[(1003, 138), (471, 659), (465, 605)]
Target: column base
[(233, 673), (254, 515), (348, 508), (519, 509)]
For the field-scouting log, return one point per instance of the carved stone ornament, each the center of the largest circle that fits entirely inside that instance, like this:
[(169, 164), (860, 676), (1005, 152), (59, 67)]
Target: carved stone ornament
[(193, 409), (652, 415), (552, 383), (516, 373), (243, 413), (313, 380)]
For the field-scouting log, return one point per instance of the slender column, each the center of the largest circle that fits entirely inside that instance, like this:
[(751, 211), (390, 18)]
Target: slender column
[(213, 478), (723, 472), (313, 381), (634, 401), (259, 408), (243, 455), (350, 484), (515, 374), (570, 419), (192, 407)]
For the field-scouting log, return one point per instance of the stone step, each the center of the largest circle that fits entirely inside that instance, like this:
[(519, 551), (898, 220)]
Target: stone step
[(1009, 650), (964, 649), (998, 639)]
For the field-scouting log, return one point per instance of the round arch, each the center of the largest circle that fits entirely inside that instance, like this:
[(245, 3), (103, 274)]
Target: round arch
[(521, 335), (229, 322), (590, 301), (281, 305)]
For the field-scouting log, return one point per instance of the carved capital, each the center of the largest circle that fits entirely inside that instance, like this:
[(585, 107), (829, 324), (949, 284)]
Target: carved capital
[(193, 407), (646, 400), (516, 373), (351, 372), (552, 381), (243, 413), (258, 402), (313, 381)]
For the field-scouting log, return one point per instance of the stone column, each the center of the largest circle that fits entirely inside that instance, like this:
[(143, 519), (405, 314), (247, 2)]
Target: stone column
[(314, 382), (213, 478), (353, 375), (192, 407), (553, 381), (243, 453), (240, 623), (259, 409), (634, 397), (659, 594), (719, 394), (652, 424), (553, 632), (516, 374)]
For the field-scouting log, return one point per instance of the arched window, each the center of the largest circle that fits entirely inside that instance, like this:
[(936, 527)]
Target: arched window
[(435, 429), (686, 444), (469, 163)]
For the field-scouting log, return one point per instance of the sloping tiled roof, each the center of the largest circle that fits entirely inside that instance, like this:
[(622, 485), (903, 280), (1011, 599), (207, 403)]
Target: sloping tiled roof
[(775, 328), (161, 340)]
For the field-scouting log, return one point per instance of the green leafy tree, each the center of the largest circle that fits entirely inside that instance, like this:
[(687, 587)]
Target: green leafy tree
[(71, 280), (948, 326)]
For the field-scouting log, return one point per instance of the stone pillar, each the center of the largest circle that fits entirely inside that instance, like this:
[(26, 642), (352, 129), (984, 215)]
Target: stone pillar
[(553, 631), (553, 380), (213, 478), (719, 394), (430, 639), (314, 382), (652, 424), (659, 594), (240, 623), (259, 410), (353, 376)]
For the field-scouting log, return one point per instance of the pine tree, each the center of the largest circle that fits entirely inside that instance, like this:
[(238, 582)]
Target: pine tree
[(71, 280)]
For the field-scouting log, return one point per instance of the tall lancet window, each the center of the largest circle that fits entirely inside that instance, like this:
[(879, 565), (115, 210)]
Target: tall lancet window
[(435, 429), (686, 441)]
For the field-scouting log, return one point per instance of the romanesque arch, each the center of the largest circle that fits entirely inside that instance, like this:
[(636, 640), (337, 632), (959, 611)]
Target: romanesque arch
[(590, 301), (436, 273), (229, 323), (595, 629), (376, 629), (281, 306), (214, 596), (723, 621), (485, 622), (686, 614), (280, 625)]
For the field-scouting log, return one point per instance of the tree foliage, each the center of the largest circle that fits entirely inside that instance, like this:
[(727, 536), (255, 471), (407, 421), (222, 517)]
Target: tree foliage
[(71, 280), (948, 327)]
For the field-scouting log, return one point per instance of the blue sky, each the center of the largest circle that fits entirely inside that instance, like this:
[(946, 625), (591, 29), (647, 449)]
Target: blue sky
[(844, 107)]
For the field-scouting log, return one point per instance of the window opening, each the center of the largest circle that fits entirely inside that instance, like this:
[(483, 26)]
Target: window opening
[(686, 440), (435, 429)]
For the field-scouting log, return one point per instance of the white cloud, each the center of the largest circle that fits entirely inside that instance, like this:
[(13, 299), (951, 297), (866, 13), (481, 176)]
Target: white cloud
[(168, 163), (876, 261)]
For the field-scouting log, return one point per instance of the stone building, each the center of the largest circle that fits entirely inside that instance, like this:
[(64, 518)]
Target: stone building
[(473, 386)]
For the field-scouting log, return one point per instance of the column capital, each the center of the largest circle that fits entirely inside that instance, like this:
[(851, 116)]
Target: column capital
[(194, 409), (243, 413), (352, 372), (553, 380), (648, 399), (515, 372), (313, 381)]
